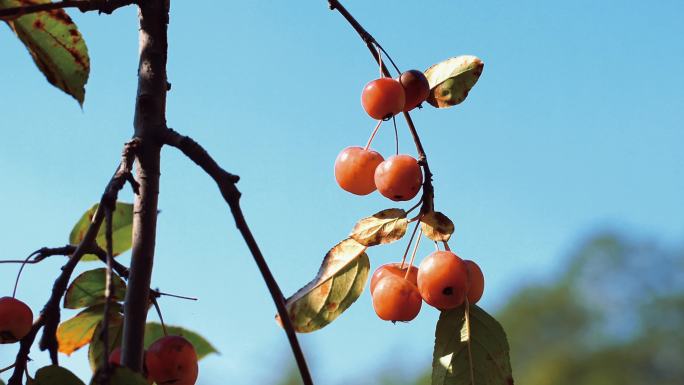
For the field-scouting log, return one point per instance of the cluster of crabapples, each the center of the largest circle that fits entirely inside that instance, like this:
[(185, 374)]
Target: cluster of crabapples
[(360, 170), (443, 280), (169, 360)]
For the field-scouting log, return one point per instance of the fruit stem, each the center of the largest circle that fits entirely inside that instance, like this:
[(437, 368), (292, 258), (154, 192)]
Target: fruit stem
[(370, 140), (16, 281), (446, 246), (396, 135), (408, 247), (413, 255)]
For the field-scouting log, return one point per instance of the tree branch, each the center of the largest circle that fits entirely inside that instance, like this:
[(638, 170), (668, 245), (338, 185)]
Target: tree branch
[(24, 350), (373, 46), (102, 6), (226, 184), (149, 123)]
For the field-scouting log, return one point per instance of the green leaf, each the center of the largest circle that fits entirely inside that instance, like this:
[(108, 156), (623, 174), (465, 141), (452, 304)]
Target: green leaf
[(56, 46), (88, 289), (154, 331), (78, 331), (384, 227), (339, 282), (479, 347), (122, 229), (96, 350), (121, 376), (437, 226), (56, 375), (451, 80)]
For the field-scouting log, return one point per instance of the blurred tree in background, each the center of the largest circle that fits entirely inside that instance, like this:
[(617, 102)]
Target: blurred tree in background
[(613, 315)]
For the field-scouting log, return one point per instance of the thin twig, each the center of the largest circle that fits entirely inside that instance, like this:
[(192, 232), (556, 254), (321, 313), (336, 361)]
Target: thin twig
[(24, 350), (159, 313), (109, 289), (158, 293), (103, 6), (50, 314), (428, 190), (226, 184)]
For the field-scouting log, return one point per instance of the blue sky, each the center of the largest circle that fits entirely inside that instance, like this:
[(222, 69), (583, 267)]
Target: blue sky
[(576, 125)]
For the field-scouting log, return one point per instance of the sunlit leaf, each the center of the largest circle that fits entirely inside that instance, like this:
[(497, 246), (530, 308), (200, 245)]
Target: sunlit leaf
[(78, 331), (122, 229), (384, 227), (154, 331), (89, 289), (55, 375), (96, 350), (464, 352), (451, 80), (56, 46), (437, 226), (339, 282)]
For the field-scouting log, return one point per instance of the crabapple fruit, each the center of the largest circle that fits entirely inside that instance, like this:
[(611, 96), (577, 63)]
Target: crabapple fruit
[(355, 170), (16, 319), (396, 299), (383, 98), (395, 269), (399, 177), (443, 280), (475, 281), (172, 360), (416, 88)]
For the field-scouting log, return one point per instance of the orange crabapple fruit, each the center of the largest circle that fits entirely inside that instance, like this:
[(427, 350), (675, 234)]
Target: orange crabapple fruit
[(475, 282), (395, 269), (443, 280), (355, 170), (383, 98), (416, 88), (399, 177), (396, 299), (172, 360), (16, 319)]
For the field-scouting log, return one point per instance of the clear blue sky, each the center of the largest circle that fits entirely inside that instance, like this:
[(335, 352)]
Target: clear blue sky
[(577, 124)]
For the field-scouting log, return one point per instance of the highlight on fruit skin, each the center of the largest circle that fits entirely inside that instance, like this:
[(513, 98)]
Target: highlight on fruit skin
[(475, 281), (355, 169), (172, 360), (399, 177), (416, 88), (396, 299), (383, 98), (394, 269), (443, 280), (16, 319)]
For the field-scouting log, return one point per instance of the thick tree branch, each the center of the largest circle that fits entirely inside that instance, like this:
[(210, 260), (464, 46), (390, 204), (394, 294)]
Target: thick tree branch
[(149, 123), (374, 47), (102, 6), (226, 184)]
